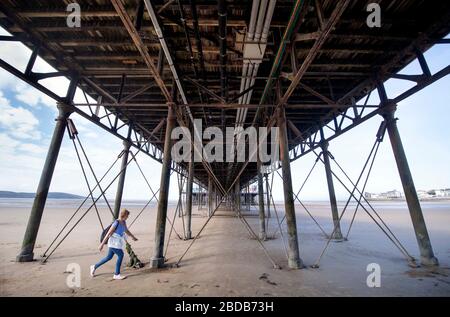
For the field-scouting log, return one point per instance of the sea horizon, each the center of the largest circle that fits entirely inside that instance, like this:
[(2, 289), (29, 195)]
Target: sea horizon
[(132, 202)]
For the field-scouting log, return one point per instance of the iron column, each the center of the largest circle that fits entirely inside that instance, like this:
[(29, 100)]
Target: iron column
[(26, 254), (248, 198), (268, 195), (415, 210), (157, 260), (237, 193), (334, 209), (210, 189), (262, 220), (294, 260), (121, 183), (190, 183)]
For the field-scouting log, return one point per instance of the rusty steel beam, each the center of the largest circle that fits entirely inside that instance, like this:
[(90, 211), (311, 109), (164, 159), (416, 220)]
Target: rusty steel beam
[(306, 106), (320, 41), (189, 46), (137, 93), (293, 20), (198, 40), (317, 94), (128, 24), (206, 90)]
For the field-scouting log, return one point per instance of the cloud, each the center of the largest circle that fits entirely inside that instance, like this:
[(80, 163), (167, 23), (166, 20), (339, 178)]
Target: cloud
[(18, 122), (33, 97), (7, 143), (7, 80), (21, 163), (32, 148)]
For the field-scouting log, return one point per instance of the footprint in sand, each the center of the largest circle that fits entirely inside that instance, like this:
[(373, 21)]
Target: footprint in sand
[(265, 277)]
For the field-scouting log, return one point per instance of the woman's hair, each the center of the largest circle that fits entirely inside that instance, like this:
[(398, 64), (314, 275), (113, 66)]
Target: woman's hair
[(124, 212)]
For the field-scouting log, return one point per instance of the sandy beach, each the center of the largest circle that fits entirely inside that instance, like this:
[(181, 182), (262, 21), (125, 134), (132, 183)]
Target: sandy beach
[(226, 260)]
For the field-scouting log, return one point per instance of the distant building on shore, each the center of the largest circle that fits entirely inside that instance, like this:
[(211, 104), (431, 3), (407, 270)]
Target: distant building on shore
[(392, 194), (439, 192), (422, 194), (434, 193)]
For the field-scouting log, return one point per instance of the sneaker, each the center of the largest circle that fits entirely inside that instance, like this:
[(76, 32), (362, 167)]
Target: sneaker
[(92, 270), (119, 277)]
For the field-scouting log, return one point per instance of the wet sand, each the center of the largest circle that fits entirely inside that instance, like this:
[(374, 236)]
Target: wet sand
[(226, 260)]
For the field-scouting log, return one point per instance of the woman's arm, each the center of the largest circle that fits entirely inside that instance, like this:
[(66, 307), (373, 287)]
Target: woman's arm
[(130, 234)]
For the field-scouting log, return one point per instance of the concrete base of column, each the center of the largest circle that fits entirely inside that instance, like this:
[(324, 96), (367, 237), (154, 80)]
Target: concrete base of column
[(295, 264), (337, 236), (262, 236), (29, 257), (157, 263), (425, 261)]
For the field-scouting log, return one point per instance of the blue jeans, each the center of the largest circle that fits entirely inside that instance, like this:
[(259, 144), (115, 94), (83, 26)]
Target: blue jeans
[(111, 252)]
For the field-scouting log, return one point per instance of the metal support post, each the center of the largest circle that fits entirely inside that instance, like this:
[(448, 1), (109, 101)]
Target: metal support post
[(157, 260), (26, 253), (121, 183), (294, 260), (415, 210), (333, 203)]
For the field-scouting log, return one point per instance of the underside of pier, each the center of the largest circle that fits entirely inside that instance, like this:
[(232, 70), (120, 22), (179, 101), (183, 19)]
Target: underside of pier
[(306, 67)]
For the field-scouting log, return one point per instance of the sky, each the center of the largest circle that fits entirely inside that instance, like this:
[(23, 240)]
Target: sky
[(27, 122)]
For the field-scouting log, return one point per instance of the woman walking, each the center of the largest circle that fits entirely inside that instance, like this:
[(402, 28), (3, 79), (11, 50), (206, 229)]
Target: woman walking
[(116, 243)]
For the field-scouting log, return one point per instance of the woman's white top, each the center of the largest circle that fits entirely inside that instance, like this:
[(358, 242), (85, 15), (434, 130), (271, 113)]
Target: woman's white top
[(117, 239)]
